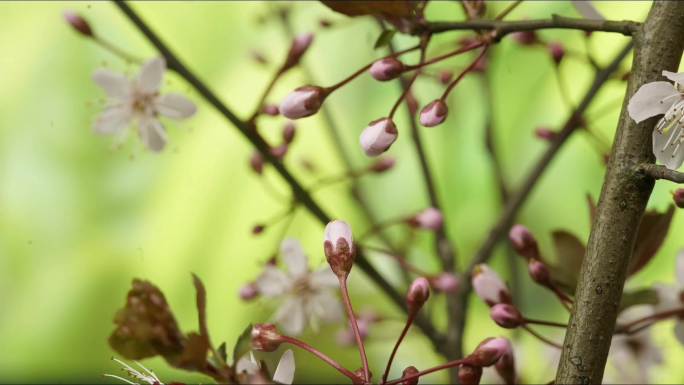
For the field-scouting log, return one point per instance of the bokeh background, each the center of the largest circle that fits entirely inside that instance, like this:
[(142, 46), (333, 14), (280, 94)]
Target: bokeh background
[(80, 217)]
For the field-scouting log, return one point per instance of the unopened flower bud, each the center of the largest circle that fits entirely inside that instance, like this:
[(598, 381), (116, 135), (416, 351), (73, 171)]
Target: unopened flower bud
[(409, 372), (386, 69), (678, 197), (338, 245), (434, 113), (428, 219), (489, 286), (270, 110), (489, 351), (383, 164), (325, 23), (506, 365), (418, 294), (544, 133), (506, 315), (525, 37), (539, 272), (445, 77), (258, 229), (480, 65), (279, 151), (557, 51), (78, 23), (378, 136), (469, 375), (299, 46), (289, 131), (302, 102), (523, 242), (256, 161), (249, 291), (265, 337), (411, 103), (446, 283)]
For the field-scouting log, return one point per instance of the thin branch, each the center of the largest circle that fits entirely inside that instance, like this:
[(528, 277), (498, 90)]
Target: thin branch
[(661, 172), (503, 28)]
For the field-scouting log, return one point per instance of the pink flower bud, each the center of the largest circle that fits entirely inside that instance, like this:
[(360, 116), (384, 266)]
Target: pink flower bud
[(302, 102), (289, 131), (539, 272), (256, 161), (525, 37), (78, 23), (678, 197), (446, 283), (258, 229), (489, 286), (383, 164), (418, 294), (386, 69), (428, 219), (434, 113), (506, 315), (469, 375), (338, 246), (280, 151), (298, 48), (489, 351), (409, 372), (544, 133), (481, 65), (411, 103), (265, 337), (557, 51), (249, 291), (270, 110), (378, 136), (506, 365), (523, 242), (445, 77)]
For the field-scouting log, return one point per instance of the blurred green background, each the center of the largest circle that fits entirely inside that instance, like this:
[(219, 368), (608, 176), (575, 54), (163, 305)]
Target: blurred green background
[(80, 218)]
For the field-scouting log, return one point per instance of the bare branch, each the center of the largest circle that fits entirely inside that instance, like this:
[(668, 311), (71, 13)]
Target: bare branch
[(661, 172)]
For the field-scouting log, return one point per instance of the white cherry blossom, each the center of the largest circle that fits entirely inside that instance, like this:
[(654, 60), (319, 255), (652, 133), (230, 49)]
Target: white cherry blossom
[(145, 376), (249, 370), (138, 101), (671, 297), (634, 355), (307, 296)]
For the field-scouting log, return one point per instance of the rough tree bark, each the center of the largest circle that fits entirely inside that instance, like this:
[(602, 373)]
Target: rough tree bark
[(626, 190)]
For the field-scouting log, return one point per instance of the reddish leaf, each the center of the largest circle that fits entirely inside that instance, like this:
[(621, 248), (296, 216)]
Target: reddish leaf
[(394, 8), (570, 254), (652, 232)]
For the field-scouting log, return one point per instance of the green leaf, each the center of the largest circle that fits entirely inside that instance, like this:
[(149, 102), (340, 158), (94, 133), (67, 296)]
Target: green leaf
[(385, 38), (394, 8), (243, 344), (644, 296), (652, 233), (222, 352)]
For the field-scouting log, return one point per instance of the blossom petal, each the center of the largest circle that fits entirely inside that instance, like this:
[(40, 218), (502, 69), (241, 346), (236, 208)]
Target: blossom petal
[(115, 85), (294, 257), (175, 106), (247, 364), (273, 282), (649, 100), (668, 297), (152, 134), (291, 317), (284, 373), (679, 331), (680, 268), (674, 76), (325, 306), (112, 120), (323, 278), (667, 155), (151, 75)]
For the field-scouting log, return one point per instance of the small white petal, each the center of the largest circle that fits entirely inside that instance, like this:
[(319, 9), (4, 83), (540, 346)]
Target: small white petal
[(291, 317), (294, 257), (668, 297), (674, 76), (115, 85), (247, 364), (586, 9), (378, 137), (337, 229), (651, 99), (273, 282), (112, 120), (323, 278), (152, 134), (680, 268), (667, 155), (679, 331), (284, 373), (325, 306), (175, 106), (151, 75)]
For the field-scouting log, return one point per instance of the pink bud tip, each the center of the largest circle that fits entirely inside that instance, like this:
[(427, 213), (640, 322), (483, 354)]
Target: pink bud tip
[(434, 113), (678, 197), (258, 229), (506, 315), (469, 375), (378, 136), (428, 219), (256, 161), (78, 23), (386, 69), (544, 133), (446, 283), (270, 110), (525, 37), (557, 51), (280, 151), (412, 103), (249, 292), (506, 365), (489, 351), (289, 131), (418, 294), (302, 102), (265, 337), (489, 286), (539, 271), (382, 165), (409, 372), (299, 46), (445, 77), (338, 245), (523, 242)]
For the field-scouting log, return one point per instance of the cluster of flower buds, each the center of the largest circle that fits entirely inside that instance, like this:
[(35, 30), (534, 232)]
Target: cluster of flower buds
[(338, 246), (525, 244), (428, 219)]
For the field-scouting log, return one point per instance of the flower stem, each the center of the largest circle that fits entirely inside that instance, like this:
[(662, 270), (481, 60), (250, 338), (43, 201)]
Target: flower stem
[(542, 338), (116, 50), (448, 365), (423, 46), (545, 323), (445, 56), (464, 72), (627, 328), (355, 327), (409, 321), (304, 346)]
